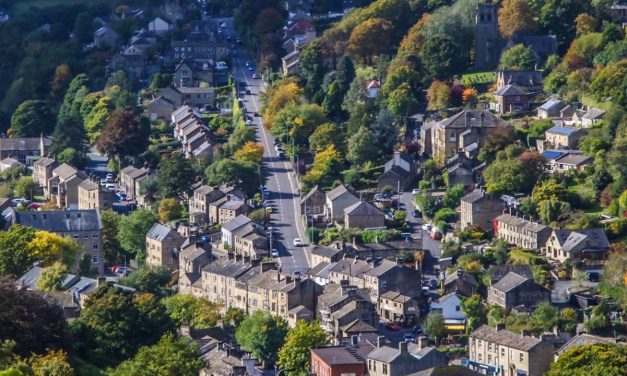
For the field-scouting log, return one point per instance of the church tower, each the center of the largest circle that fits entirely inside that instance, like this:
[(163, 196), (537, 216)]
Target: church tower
[(487, 37)]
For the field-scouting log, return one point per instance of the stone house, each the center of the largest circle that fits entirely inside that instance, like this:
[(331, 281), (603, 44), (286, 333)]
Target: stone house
[(460, 283), (494, 349), (338, 199), (134, 65), (230, 209), (84, 226), (160, 108), (561, 137), (193, 257), (588, 118), (396, 307), (551, 108), (92, 195), (578, 245), (9, 163), (290, 63), (340, 360), (334, 308), (163, 245), (527, 80), (329, 254), (363, 215), (565, 160), (219, 278), (511, 99), (521, 232), (205, 203), (449, 306), (461, 130), (159, 26), (313, 203), (63, 186), (105, 37), (229, 228), (249, 241), (398, 171), (515, 290), (193, 72), (480, 208), (42, 171), (24, 149), (129, 175), (407, 359)]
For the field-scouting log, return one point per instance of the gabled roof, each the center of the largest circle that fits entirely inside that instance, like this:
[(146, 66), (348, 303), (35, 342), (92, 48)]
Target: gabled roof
[(522, 78), (582, 339), (22, 143), (473, 118), (551, 104), (358, 326), (314, 191), (373, 84), (338, 191), (505, 338), (593, 113), (563, 130), (325, 251), (590, 239), (60, 220), (235, 223), (88, 184), (510, 282), (160, 232), (44, 162), (509, 90), (64, 171), (477, 195), (227, 267), (554, 154), (363, 208)]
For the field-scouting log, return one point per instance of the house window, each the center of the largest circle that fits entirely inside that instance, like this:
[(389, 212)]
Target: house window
[(517, 98), (385, 369), (95, 236), (453, 136), (76, 236), (522, 357), (95, 246), (489, 359), (95, 260), (85, 236)]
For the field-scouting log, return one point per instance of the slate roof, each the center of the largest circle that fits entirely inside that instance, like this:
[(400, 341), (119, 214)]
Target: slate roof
[(64, 171), (385, 354), (358, 326), (522, 78), (325, 251), (44, 162), (510, 282), (509, 90), (552, 103), (505, 338), (591, 239), (593, 113), (313, 191), (60, 220), (227, 267), (473, 118), (396, 297), (521, 223), (363, 208), (574, 159), (352, 267), (232, 205), (499, 271), (381, 268), (160, 232), (554, 154), (344, 354), (474, 196), (563, 130), (270, 280), (236, 223), (88, 184), (32, 276), (582, 339), (337, 192)]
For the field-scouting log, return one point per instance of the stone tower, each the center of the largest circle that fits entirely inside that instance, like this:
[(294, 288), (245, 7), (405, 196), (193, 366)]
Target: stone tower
[(487, 38)]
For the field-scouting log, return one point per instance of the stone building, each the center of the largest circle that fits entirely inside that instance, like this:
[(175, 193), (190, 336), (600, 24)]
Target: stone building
[(163, 245), (480, 208), (515, 290), (521, 232)]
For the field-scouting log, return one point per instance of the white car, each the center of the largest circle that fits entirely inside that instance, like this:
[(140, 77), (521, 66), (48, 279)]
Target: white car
[(415, 191), (256, 76), (297, 242), (427, 227), (274, 252)]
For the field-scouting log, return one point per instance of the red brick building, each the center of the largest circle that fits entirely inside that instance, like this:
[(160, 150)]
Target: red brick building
[(511, 98), (341, 360)]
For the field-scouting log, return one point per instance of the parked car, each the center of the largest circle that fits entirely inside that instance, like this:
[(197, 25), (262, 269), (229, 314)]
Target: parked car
[(416, 213), (109, 176), (427, 227), (251, 68), (433, 284), (435, 234), (417, 329), (110, 187), (274, 252), (34, 206), (121, 196), (297, 242), (593, 276), (408, 337), (415, 191), (248, 92), (256, 76), (393, 326), (281, 155)]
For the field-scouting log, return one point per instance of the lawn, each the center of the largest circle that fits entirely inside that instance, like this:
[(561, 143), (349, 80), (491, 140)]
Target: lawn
[(478, 78), (589, 101), (23, 6)]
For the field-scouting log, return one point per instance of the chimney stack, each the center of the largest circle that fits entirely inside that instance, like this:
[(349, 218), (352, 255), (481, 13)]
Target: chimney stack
[(380, 341), (354, 340), (402, 346), (422, 342), (500, 326), (524, 333), (100, 281), (399, 261)]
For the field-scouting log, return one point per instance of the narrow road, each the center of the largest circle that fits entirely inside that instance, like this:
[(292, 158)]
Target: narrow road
[(278, 177)]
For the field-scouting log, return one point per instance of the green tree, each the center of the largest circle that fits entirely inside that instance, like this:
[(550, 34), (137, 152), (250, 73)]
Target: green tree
[(49, 247), (612, 280), (114, 324), (95, 110), (553, 12), (31, 119), (262, 335), (345, 73), (231, 171), (52, 277), (160, 81), (186, 309), (442, 56), (518, 57), (438, 94), (311, 67), (515, 15), (568, 320), (504, 176), (453, 195), (385, 131), (234, 316), (326, 135), (169, 210), (596, 359), (170, 356), (84, 27), (326, 169), (60, 81), (370, 38), (362, 147), (110, 244), (132, 230), (175, 176), (401, 101), (26, 187), (15, 257), (434, 325), (295, 354), (332, 103), (27, 315), (150, 279), (554, 211)]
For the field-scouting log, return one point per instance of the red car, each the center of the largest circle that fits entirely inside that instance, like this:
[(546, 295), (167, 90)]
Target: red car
[(393, 326), (34, 206)]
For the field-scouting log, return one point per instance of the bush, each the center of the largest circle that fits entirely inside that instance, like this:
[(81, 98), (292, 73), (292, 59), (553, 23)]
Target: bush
[(445, 214), (372, 236)]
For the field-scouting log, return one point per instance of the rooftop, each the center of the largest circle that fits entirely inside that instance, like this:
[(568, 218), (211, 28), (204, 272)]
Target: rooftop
[(510, 282), (337, 192), (473, 118), (505, 338), (236, 223), (60, 220), (363, 208), (160, 232)]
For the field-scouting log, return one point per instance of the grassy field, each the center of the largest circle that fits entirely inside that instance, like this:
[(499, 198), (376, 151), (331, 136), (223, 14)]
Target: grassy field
[(589, 101), (478, 78), (23, 6)]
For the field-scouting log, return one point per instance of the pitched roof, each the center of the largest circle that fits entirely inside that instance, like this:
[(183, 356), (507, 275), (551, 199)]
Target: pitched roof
[(337, 192), (554, 154), (590, 239), (473, 118), (88, 184), (237, 222), (582, 339), (505, 338), (381, 268), (563, 130), (551, 104), (593, 113), (60, 220), (314, 191), (358, 326), (352, 267), (522, 78), (44, 161), (344, 354), (160, 232), (64, 171), (227, 267), (574, 159), (521, 223), (510, 282), (499, 271), (509, 90), (363, 208), (325, 251), (475, 196)]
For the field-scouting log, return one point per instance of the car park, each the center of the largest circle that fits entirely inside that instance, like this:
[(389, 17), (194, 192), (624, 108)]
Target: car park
[(297, 242)]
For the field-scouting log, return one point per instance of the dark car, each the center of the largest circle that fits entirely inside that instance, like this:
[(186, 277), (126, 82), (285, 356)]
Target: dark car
[(417, 329), (248, 92), (416, 213), (433, 284), (593, 276)]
